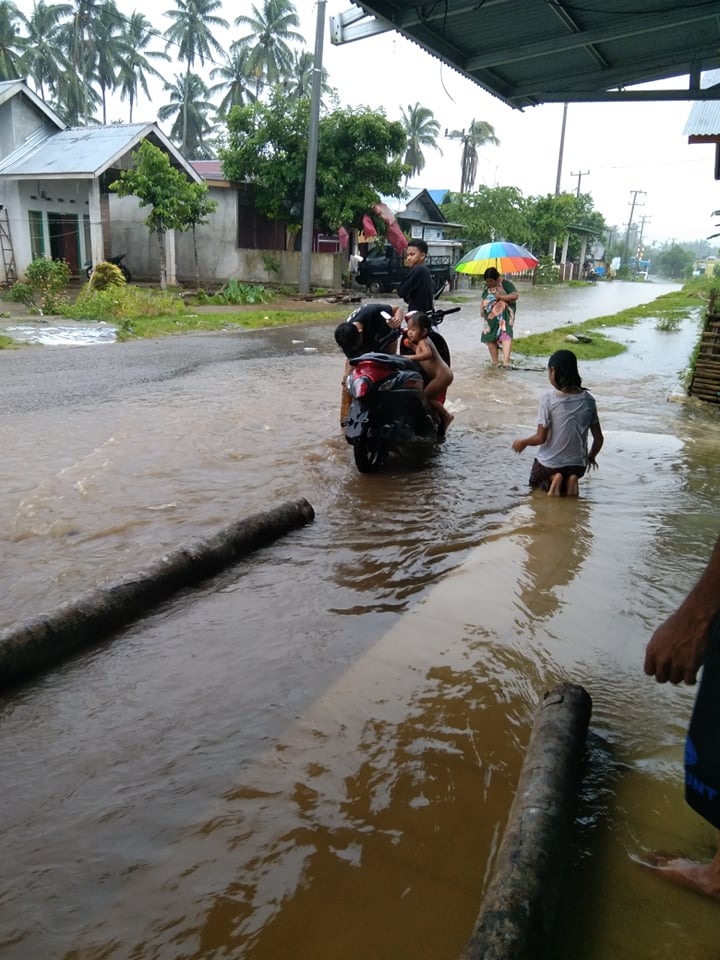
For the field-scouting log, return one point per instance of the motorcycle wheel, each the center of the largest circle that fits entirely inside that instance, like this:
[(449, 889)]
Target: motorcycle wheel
[(370, 455)]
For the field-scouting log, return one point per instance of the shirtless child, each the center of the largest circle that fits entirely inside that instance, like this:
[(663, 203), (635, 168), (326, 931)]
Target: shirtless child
[(437, 372)]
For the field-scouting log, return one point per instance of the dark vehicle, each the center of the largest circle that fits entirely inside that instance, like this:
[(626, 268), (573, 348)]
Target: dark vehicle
[(383, 269), (118, 261), (389, 412)]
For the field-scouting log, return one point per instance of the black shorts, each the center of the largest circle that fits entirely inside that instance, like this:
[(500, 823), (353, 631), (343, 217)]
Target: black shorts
[(702, 758), (541, 476)]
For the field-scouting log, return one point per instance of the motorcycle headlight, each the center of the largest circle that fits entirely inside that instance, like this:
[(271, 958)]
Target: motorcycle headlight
[(359, 387)]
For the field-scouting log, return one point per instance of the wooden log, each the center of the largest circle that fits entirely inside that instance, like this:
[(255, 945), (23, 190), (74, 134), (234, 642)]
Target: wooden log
[(30, 647), (518, 912)]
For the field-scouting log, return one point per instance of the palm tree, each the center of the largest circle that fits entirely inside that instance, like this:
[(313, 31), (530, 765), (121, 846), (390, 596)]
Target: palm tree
[(298, 85), (79, 39), (191, 33), (11, 43), (110, 48), (234, 79), (188, 105), (479, 134), (135, 66), (269, 37), (44, 61), (421, 130)]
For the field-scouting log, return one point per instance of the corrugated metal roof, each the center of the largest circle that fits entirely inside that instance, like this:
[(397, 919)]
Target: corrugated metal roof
[(80, 152), (704, 119), (563, 51)]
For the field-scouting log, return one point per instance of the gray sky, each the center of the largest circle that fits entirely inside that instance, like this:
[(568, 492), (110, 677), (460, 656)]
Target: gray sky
[(619, 148)]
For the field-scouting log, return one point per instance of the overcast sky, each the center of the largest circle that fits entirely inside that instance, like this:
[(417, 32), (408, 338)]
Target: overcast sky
[(618, 148)]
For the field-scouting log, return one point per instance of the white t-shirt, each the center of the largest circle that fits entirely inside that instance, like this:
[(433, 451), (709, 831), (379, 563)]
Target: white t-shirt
[(568, 417)]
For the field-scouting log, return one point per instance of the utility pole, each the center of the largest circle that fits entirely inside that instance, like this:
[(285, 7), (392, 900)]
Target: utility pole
[(629, 223), (562, 147), (580, 175), (643, 220), (311, 165)]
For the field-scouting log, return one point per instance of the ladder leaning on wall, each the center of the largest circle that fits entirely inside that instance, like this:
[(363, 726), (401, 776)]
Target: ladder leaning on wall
[(6, 248)]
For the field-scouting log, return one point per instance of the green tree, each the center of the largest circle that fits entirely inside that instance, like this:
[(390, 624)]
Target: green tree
[(77, 97), (421, 130), (192, 129), (675, 262), (358, 159), (11, 43), (135, 66), (298, 85), (191, 34), (552, 217), (490, 213), (270, 34), (162, 187), (196, 209), (111, 49), (44, 60), (477, 136), (236, 81)]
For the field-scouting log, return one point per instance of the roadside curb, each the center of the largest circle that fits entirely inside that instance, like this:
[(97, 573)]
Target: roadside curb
[(30, 647), (517, 915)]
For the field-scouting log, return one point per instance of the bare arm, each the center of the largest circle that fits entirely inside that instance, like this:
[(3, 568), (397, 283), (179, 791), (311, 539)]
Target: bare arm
[(596, 447), (677, 648), (538, 438), (423, 351)]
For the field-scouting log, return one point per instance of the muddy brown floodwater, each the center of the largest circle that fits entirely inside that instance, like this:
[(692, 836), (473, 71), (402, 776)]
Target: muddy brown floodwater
[(314, 754)]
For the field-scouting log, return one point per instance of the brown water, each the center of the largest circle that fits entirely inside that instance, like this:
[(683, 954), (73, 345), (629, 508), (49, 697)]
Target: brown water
[(314, 755)]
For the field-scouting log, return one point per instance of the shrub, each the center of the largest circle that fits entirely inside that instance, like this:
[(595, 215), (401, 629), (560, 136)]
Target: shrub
[(547, 271), (124, 302), (44, 286), (106, 275), (236, 292)]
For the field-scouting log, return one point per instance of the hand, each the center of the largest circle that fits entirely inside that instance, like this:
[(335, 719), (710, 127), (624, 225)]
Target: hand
[(396, 319), (677, 648), (592, 462), (519, 445)]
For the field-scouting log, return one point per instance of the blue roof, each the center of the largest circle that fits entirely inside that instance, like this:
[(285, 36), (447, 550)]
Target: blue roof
[(438, 196)]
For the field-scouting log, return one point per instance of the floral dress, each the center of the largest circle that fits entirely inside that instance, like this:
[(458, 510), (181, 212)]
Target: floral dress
[(498, 316)]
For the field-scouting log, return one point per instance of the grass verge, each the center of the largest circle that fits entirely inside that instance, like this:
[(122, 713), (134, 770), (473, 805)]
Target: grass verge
[(152, 327), (668, 309)]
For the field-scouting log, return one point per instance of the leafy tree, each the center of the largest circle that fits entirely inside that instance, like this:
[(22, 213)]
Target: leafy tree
[(135, 67), (477, 136), (421, 130), (191, 129), (490, 213), (675, 262), (11, 44), (43, 58), (162, 187), (271, 32), (197, 208), (111, 48), (551, 218), (358, 159)]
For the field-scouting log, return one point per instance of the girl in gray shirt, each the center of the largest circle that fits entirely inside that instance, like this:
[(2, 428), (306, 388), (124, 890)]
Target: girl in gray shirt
[(566, 414)]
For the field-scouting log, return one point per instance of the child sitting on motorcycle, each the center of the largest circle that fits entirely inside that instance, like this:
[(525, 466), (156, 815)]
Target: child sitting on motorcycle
[(437, 373)]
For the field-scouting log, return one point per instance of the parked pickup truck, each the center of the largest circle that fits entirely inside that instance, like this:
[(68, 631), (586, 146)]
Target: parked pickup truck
[(383, 269)]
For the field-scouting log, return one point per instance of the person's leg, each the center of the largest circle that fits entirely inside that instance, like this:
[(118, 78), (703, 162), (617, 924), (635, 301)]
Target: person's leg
[(573, 489), (493, 350), (700, 877), (506, 350), (556, 485), (445, 416)]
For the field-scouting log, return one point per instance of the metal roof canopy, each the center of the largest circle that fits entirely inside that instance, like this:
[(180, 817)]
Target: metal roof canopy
[(528, 52)]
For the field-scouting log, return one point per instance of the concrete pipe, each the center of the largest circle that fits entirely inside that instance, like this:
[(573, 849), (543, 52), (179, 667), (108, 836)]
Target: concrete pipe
[(518, 912), (31, 647)]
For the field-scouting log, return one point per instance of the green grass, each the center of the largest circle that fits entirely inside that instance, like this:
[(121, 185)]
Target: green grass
[(152, 327), (668, 309), (7, 343)]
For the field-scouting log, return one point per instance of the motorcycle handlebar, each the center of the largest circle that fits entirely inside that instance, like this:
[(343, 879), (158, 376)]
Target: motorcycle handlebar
[(436, 317)]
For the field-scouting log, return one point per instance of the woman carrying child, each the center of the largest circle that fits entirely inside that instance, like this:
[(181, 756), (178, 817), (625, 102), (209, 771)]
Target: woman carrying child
[(437, 373), (497, 311), (566, 414)]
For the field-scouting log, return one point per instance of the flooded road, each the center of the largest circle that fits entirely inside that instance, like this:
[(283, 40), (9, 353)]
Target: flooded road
[(314, 754)]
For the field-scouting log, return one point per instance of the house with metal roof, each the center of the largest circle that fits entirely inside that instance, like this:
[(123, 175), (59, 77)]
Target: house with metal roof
[(54, 197)]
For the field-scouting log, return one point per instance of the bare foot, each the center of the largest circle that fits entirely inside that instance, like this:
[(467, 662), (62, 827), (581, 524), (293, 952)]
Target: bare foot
[(573, 489), (701, 877), (555, 489)]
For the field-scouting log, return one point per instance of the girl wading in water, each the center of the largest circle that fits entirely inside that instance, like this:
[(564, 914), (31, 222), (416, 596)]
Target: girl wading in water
[(566, 414)]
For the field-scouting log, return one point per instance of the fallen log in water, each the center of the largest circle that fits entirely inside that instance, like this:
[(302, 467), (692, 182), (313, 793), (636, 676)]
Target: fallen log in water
[(518, 912), (31, 647)]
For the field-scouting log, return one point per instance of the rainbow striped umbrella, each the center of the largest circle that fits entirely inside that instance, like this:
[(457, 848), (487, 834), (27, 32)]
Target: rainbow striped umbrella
[(505, 257)]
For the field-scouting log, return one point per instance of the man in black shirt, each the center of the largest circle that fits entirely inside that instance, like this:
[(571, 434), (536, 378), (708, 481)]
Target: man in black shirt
[(365, 330), (417, 291)]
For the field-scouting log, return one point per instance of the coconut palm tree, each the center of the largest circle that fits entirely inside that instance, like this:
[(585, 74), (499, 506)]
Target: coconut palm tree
[(79, 40), (111, 48), (11, 42), (135, 66), (44, 61), (191, 129), (479, 134), (269, 37), (298, 84), (191, 34), (235, 79), (421, 130)]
